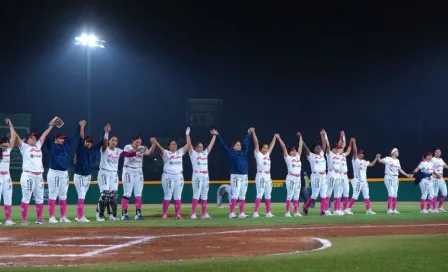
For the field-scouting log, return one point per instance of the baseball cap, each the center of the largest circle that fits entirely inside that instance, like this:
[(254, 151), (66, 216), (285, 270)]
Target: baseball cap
[(361, 151), (88, 140), (61, 136)]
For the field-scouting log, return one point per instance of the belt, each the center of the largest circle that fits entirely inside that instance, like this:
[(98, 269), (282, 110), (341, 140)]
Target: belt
[(108, 170), (4, 172), (34, 173), (335, 171), (264, 172), (126, 166), (391, 175), (319, 173), (172, 173), (201, 172), (295, 175)]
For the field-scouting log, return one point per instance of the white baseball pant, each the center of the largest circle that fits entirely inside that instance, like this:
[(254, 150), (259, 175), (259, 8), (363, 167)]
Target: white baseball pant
[(334, 184), (6, 189), (132, 181), (293, 185), (82, 184), (440, 185), (57, 184), (263, 183), (359, 186), (319, 185), (427, 188), (107, 180), (239, 185), (32, 184), (172, 185), (345, 185), (200, 184), (391, 183)]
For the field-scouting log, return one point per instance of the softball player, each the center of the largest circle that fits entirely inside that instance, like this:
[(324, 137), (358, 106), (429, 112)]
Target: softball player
[(133, 178), (222, 191), (60, 152), (31, 180), (334, 161), (319, 176), (426, 182), (237, 155), (200, 179), (345, 187), (108, 176), (85, 158), (172, 178), (5, 179), (293, 182), (359, 181), (392, 170), (263, 181), (439, 184)]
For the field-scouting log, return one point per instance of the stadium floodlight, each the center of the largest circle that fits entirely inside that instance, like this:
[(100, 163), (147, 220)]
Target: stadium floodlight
[(89, 41)]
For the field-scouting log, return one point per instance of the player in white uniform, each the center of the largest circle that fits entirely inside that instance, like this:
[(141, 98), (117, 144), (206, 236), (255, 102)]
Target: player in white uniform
[(426, 178), (392, 170), (133, 178), (334, 159), (172, 178), (108, 176), (31, 180), (345, 187), (439, 184), (5, 178), (293, 182), (318, 173), (223, 190), (200, 181), (359, 181), (263, 181)]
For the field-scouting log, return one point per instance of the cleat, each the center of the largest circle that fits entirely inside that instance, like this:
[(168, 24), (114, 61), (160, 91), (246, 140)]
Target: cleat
[(25, 223), (297, 214), (322, 213), (390, 212), (424, 211), (305, 211), (65, 220), (288, 214), (76, 219), (232, 215), (9, 223), (328, 213), (396, 212), (138, 217), (113, 218), (347, 212), (434, 211), (243, 215), (165, 217), (339, 213), (100, 219), (179, 217), (124, 217), (83, 220), (40, 221), (269, 215), (206, 216), (52, 220), (442, 210), (194, 217), (256, 215), (370, 212)]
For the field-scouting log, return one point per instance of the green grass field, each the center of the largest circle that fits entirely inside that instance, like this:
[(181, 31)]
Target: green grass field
[(369, 253)]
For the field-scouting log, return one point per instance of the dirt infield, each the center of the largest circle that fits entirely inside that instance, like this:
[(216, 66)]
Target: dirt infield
[(73, 246)]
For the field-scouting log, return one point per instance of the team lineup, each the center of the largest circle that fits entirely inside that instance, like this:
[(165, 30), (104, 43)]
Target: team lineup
[(328, 163)]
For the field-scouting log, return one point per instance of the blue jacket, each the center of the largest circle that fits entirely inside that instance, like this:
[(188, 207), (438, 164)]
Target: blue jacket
[(303, 175), (421, 176), (237, 159), (86, 157), (60, 155)]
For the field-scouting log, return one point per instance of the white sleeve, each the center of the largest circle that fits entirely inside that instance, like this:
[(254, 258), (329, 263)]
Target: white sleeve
[(181, 151), (165, 156), (39, 144), (421, 165), (206, 152), (442, 162), (23, 147), (120, 151), (128, 148)]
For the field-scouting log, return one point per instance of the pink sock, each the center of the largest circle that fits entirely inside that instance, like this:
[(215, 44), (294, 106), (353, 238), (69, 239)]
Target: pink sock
[(422, 204), (232, 205), (307, 204), (51, 206), (204, 207), (138, 202), (345, 199), (39, 210), (367, 203), (322, 204), (442, 199), (327, 203), (257, 204), (389, 203), (267, 202), (288, 205), (352, 202), (296, 206), (124, 203), (194, 206), (428, 204), (177, 206), (80, 208), (7, 209), (394, 203), (165, 206), (337, 204), (63, 207), (242, 202), (434, 202), (24, 208)]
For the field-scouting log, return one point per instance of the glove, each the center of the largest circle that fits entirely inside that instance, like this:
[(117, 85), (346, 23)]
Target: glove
[(187, 131)]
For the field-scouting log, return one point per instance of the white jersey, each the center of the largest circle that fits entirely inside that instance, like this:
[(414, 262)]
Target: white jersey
[(438, 165), (317, 162), (172, 161), (109, 159), (4, 163), (334, 162), (263, 162), (199, 161), (344, 168), (32, 157), (426, 167), (392, 166), (360, 169), (133, 162), (294, 164)]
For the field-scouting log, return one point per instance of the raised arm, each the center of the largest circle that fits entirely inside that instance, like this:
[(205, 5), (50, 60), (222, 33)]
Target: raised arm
[(378, 157), (154, 142), (282, 144), (150, 150), (300, 143), (342, 139), (82, 125), (12, 132), (349, 149), (355, 151), (224, 147), (214, 132), (245, 146), (256, 144), (188, 145), (75, 134), (107, 130), (46, 132), (305, 148), (271, 146), (49, 144), (324, 138)]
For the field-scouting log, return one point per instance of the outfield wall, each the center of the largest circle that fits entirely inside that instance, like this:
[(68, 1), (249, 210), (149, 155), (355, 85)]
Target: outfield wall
[(153, 193)]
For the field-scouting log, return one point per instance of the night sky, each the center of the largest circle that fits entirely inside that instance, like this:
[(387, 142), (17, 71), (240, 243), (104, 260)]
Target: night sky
[(377, 72)]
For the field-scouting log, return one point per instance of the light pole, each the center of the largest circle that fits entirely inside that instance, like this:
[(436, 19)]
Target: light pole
[(89, 41)]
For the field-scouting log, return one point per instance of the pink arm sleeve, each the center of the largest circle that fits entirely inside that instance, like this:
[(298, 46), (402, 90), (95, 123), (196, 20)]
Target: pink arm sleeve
[(128, 154)]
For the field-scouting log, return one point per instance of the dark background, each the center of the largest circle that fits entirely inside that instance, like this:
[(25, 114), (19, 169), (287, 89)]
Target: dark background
[(376, 71)]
